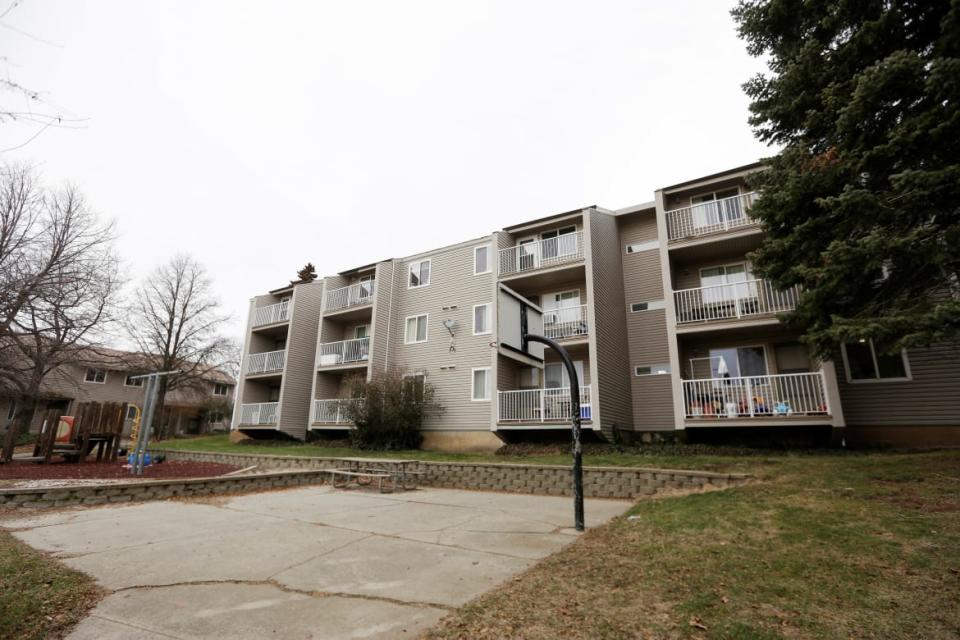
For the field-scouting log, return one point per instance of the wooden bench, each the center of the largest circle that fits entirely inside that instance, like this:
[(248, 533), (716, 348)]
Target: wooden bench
[(363, 478)]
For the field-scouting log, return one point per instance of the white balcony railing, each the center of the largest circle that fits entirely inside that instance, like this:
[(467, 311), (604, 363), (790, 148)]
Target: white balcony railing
[(266, 362), (542, 253), (731, 301), (331, 411), (787, 394), (714, 216), (568, 322), (344, 352), (259, 413), (279, 312), (541, 405), (358, 293)]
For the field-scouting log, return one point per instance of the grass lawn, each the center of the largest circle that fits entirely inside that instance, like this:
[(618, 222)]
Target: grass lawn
[(852, 546), (651, 457), (39, 597)]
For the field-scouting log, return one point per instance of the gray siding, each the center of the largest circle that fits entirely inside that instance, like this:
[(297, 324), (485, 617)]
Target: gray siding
[(297, 386), (452, 293), (652, 396), (930, 398), (382, 316), (608, 335)]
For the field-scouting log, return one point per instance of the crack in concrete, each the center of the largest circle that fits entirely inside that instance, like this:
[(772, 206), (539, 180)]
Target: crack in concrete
[(319, 555), (140, 627), (270, 582)]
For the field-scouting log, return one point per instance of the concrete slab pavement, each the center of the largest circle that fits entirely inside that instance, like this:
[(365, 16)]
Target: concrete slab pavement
[(307, 563)]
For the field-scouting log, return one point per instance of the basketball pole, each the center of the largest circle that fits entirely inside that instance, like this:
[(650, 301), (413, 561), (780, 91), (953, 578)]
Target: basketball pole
[(575, 410)]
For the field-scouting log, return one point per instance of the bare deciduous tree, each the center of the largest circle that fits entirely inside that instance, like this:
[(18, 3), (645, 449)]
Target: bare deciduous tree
[(176, 322), (59, 285)]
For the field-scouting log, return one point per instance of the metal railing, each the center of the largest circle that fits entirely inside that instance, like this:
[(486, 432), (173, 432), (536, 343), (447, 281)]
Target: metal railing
[(709, 217), (542, 253), (566, 322), (541, 405), (343, 352), (734, 300), (259, 413), (786, 394), (354, 294), (333, 411), (279, 312), (264, 362)]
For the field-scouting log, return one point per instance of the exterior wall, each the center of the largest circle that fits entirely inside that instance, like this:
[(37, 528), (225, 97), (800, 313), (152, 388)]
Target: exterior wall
[(452, 293), (647, 334), (382, 316), (608, 334), (929, 399), (297, 386)]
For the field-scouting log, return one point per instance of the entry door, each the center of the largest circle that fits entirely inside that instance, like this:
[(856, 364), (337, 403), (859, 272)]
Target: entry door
[(735, 362), (562, 307), (555, 375), (559, 242), (716, 209), (366, 287), (361, 331), (529, 254), (726, 283)]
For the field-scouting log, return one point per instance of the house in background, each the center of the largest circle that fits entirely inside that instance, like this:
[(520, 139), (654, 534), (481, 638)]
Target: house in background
[(106, 375), (668, 326)]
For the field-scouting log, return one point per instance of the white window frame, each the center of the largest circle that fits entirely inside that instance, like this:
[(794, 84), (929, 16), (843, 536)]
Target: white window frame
[(94, 381), (418, 263), (417, 374), (655, 370), (126, 381), (652, 305), (226, 389), (426, 328), (488, 321), (876, 369), (131, 409), (473, 382), (489, 251)]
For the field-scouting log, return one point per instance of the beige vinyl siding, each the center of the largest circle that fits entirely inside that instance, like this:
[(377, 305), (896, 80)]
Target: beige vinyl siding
[(930, 398), (382, 312), (608, 336), (297, 384), (646, 331), (452, 284)]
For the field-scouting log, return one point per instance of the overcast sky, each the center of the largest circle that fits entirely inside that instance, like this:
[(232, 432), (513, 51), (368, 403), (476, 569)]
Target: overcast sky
[(262, 135)]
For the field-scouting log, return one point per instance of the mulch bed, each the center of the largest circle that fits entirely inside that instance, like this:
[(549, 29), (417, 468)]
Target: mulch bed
[(110, 470)]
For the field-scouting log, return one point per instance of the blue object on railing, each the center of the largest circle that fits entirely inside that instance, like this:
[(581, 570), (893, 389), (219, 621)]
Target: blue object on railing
[(586, 412)]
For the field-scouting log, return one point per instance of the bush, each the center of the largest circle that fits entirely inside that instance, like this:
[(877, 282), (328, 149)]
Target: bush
[(388, 410)]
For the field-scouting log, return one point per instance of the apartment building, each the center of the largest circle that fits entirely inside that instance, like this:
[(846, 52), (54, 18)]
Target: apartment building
[(108, 375), (657, 304)]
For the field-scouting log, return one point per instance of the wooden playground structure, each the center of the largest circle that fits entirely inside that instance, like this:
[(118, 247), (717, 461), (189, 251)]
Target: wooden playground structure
[(94, 425)]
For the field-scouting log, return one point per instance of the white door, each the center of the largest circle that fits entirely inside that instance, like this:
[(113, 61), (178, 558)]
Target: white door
[(366, 287), (562, 310)]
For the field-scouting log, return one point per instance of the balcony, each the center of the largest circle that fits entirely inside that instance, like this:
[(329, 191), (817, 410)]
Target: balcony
[(724, 302), (271, 314), (541, 406), (259, 414), (713, 217), (567, 322), (772, 396), (540, 254), (350, 296), (268, 362), (332, 412), (356, 351)]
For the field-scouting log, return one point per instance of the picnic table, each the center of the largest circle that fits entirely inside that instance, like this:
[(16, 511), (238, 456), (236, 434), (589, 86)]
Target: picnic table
[(403, 472)]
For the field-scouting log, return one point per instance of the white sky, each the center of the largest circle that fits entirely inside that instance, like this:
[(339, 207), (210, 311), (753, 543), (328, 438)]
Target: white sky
[(260, 135)]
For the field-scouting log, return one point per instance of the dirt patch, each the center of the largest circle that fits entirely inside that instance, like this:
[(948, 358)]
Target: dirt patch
[(24, 474)]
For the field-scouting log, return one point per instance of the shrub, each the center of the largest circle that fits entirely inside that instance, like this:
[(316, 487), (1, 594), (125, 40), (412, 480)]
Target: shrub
[(389, 409)]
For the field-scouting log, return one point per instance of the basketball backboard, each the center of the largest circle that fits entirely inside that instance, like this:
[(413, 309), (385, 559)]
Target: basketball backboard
[(517, 316)]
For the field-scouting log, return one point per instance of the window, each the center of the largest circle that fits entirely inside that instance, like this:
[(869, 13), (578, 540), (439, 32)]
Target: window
[(366, 287), (652, 370), (558, 243), (481, 319), (132, 381), (361, 331), (215, 417), (736, 362), (95, 376), (419, 274), (727, 282), (414, 383), (651, 305), (416, 329), (480, 385), (717, 208), (637, 247), (555, 375), (219, 389), (132, 412), (865, 363), (481, 260)]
